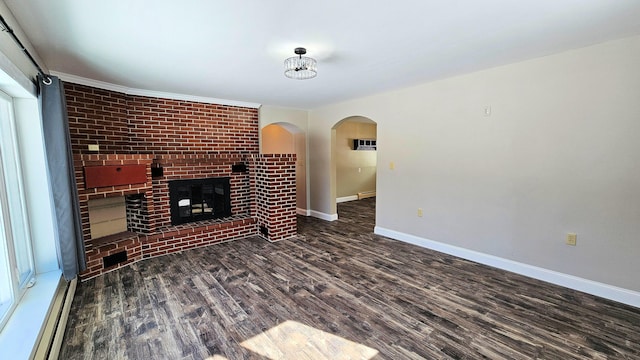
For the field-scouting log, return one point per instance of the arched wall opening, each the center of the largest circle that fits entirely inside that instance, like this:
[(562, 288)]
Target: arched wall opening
[(286, 138), (354, 167)]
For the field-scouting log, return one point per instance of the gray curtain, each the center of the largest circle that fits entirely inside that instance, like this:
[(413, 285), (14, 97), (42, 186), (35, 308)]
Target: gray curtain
[(63, 185)]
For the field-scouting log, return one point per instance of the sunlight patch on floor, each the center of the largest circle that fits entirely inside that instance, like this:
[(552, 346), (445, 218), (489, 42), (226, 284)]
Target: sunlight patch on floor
[(293, 340)]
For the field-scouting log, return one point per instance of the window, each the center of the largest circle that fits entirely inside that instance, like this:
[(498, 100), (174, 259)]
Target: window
[(16, 259)]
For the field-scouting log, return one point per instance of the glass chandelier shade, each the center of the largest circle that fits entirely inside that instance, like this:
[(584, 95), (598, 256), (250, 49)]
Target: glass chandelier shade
[(300, 67)]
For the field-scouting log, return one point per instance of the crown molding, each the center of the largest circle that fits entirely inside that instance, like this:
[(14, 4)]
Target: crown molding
[(150, 93)]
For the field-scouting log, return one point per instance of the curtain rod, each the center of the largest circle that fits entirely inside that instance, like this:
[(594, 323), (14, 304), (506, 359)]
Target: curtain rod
[(6, 28)]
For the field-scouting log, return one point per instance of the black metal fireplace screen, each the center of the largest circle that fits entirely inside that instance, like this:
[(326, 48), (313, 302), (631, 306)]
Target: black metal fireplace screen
[(199, 199)]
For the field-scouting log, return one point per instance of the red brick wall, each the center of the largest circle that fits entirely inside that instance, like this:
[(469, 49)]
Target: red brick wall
[(122, 123), (179, 127), (95, 255), (188, 140), (275, 189), (137, 214), (97, 116)]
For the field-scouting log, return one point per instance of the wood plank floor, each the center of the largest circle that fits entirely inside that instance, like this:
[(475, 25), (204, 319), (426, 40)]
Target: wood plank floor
[(337, 292)]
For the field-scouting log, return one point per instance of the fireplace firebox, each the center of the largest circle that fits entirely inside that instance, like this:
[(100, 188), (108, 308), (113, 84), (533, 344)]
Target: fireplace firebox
[(199, 199)]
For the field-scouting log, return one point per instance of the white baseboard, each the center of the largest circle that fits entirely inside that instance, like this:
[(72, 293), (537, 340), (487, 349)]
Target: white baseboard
[(51, 326), (56, 345), (606, 291), (303, 212), (324, 216), (346, 198)]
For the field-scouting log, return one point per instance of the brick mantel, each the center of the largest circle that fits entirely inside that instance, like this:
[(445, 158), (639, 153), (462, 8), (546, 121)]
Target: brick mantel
[(187, 140)]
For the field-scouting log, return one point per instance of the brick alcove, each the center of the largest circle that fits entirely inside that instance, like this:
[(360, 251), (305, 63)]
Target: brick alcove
[(187, 140)]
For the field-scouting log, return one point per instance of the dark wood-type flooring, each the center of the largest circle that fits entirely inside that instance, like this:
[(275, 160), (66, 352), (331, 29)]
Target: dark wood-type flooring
[(337, 292)]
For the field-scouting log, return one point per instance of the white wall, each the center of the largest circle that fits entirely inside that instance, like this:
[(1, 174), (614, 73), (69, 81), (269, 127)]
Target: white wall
[(559, 153), (272, 114), (355, 169), (277, 140)]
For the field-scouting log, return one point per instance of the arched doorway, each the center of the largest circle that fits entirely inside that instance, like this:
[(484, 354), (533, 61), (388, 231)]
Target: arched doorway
[(286, 138), (354, 158)]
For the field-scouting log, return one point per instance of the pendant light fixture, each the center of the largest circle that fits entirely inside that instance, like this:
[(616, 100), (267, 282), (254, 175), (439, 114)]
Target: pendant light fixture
[(300, 67)]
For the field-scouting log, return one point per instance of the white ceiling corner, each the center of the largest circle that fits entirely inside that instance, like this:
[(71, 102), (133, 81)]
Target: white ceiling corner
[(235, 50)]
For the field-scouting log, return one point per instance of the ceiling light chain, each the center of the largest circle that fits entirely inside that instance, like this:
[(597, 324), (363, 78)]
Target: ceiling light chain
[(300, 67)]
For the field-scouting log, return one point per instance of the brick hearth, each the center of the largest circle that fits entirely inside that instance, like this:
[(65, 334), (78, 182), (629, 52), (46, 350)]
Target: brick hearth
[(187, 140)]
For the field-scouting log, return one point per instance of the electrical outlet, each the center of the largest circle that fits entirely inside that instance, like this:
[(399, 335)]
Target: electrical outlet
[(572, 239), (419, 212)]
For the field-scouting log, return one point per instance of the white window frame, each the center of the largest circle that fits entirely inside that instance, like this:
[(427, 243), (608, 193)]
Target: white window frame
[(15, 225), (6, 285)]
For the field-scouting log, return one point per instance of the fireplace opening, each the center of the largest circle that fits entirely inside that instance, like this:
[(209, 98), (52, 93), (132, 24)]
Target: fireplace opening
[(199, 199)]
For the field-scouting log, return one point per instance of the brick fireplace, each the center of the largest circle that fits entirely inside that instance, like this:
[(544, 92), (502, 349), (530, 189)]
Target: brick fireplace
[(146, 143)]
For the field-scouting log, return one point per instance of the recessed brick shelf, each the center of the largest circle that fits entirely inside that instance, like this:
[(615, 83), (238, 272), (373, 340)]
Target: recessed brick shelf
[(187, 140)]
